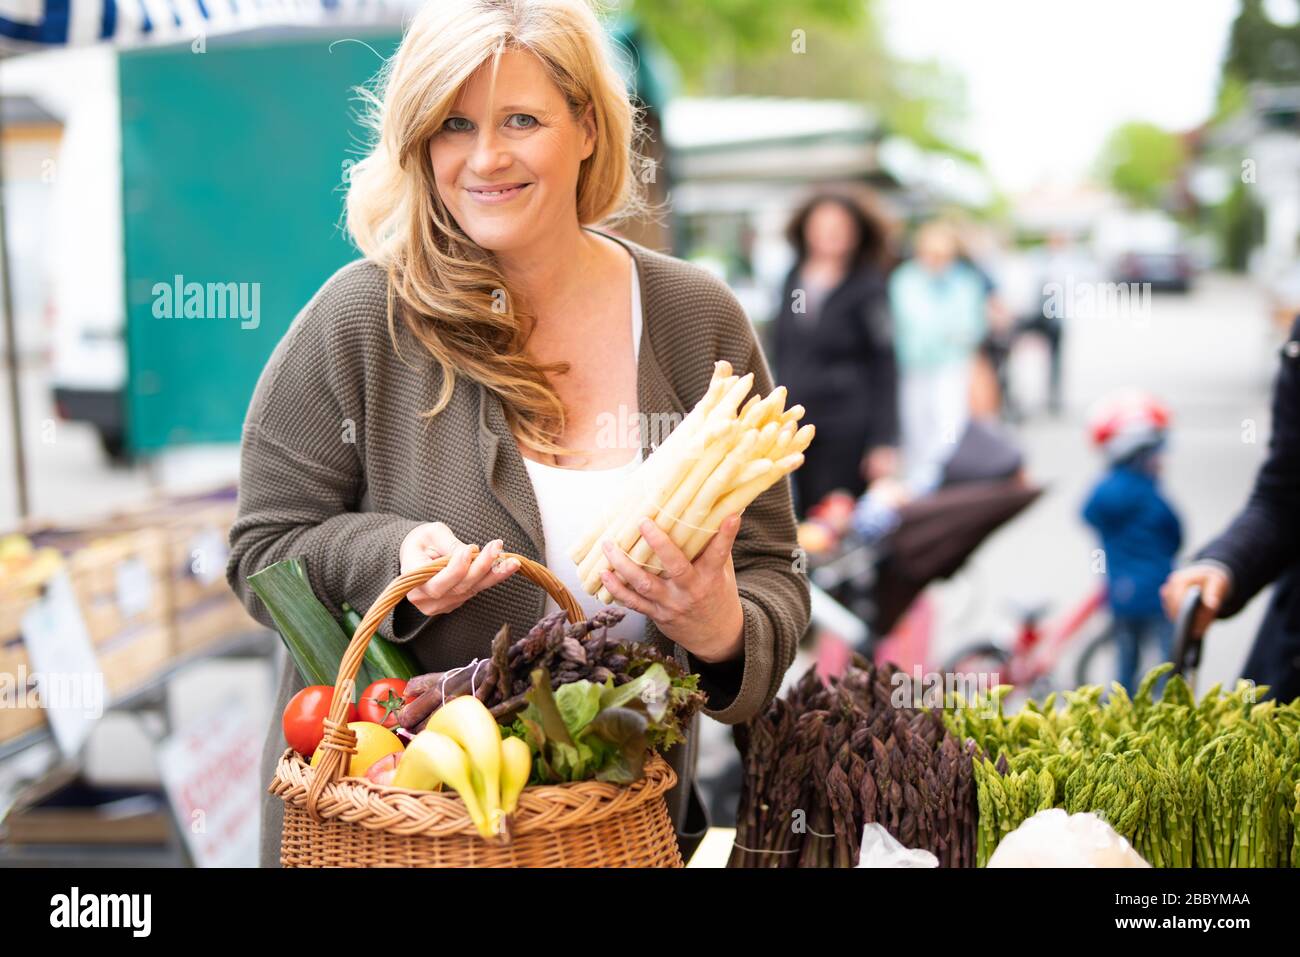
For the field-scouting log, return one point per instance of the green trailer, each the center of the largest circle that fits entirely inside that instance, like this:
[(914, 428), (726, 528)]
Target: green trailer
[(234, 165)]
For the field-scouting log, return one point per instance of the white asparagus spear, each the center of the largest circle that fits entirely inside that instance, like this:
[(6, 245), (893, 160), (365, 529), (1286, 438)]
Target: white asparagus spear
[(681, 534), (639, 483), (790, 441), (760, 412), (736, 448), (802, 439), (648, 505), (784, 436), (750, 472), (737, 501), (671, 504), (767, 437), (716, 479)]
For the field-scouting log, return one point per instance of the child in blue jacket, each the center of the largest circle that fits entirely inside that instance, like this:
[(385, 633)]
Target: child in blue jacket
[(1140, 533)]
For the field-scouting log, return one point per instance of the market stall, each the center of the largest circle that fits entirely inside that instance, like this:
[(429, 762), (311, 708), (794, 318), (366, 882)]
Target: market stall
[(101, 618)]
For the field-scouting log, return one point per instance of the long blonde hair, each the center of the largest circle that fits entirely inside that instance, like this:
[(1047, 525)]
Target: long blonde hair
[(447, 289)]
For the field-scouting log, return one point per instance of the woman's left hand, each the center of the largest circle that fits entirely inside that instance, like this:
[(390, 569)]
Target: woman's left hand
[(695, 604)]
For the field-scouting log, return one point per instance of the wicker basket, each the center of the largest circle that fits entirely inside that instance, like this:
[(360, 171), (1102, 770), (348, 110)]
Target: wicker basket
[(333, 821)]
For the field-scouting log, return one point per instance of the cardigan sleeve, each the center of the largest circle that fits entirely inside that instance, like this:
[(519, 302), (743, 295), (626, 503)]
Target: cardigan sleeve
[(301, 479), (770, 579)]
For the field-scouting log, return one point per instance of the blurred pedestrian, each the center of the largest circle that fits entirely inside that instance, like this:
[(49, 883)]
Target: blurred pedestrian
[(1260, 547), (832, 344), (1058, 269), (979, 249), (938, 304), (1140, 533)]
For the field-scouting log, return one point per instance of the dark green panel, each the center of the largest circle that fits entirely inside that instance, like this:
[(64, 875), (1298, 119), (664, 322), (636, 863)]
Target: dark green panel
[(232, 165)]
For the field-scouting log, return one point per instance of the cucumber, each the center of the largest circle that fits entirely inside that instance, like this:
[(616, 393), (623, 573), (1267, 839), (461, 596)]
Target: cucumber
[(314, 639), (383, 658)]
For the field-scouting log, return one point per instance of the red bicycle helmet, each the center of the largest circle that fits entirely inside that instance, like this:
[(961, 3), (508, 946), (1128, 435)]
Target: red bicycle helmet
[(1127, 422)]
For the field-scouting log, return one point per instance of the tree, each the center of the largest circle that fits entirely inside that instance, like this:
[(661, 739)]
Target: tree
[(1141, 161), (846, 61), (1260, 49), (695, 33)]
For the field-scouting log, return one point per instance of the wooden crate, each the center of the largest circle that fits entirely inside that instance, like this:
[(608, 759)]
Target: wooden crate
[(150, 583), (135, 657), (207, 622), (119, 580), (16, 719), (197, 541), (197, 530), (121, 583)]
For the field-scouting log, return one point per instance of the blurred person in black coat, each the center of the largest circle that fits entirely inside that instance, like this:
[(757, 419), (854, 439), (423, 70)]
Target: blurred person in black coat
[(1260, 547), (832, 344)]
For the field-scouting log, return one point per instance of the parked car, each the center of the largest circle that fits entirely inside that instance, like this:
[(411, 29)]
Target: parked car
[(1145, 246), (1168, 270)]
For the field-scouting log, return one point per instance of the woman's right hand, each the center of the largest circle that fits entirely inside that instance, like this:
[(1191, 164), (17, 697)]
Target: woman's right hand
[(468, 572)]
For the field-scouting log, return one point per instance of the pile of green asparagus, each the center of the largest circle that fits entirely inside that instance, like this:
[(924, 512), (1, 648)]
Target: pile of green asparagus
[(1214, 783)]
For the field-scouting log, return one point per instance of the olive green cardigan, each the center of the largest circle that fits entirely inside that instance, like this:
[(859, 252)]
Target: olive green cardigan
[(337, 466)]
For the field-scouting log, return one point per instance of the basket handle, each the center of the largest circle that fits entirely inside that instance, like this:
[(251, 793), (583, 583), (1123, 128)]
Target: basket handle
[(340, 741)]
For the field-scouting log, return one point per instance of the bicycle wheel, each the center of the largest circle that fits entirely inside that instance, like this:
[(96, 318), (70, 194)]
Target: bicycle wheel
[(1098, 663), (981, 658)]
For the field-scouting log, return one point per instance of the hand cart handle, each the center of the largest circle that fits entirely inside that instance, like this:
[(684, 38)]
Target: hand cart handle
[(1187, 642)]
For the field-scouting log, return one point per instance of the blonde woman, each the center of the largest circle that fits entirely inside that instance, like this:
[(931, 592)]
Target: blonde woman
[(451, 394)]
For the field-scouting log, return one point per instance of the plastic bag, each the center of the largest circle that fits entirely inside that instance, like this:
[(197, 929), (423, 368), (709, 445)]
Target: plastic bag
[(880, 849), (1053, 838)]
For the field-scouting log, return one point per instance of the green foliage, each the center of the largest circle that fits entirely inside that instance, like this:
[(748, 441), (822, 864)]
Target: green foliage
[(819, 49), (1260, 50), (1239, 222), (695, 34), (1141, 161)]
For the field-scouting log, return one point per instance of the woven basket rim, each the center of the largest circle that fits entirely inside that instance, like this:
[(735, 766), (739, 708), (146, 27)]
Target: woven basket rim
[(442, 813)]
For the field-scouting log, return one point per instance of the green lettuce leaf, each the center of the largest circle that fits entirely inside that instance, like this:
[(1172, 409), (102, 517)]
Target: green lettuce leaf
[(578, 701)]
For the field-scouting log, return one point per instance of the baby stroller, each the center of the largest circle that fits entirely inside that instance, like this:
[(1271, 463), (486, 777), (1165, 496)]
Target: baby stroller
[(867, 566)]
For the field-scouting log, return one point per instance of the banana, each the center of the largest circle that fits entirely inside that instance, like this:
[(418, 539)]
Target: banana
[(415, 771), (516, 766), (440, 756), (467, 721)]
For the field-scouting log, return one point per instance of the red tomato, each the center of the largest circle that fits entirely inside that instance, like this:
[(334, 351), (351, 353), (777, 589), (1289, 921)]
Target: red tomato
[(381, 701), (304, 718)]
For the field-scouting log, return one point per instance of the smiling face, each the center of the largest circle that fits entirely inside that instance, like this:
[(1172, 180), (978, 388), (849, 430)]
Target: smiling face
[(507, 168)]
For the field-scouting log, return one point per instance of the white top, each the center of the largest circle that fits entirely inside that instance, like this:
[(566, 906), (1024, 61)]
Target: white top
[(567, 498)]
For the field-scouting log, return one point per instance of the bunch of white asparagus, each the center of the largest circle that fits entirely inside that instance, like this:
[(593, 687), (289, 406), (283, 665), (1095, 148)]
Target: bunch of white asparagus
[(712, 465)]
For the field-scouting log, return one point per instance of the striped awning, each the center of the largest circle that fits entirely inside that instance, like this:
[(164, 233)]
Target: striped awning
[(33, 24)]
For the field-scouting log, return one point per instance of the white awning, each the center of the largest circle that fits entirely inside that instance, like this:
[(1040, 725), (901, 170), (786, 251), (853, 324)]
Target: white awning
[(27, 25)]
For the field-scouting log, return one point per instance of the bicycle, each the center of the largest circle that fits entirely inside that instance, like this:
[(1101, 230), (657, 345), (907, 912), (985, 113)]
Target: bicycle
[(1036, 651)]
